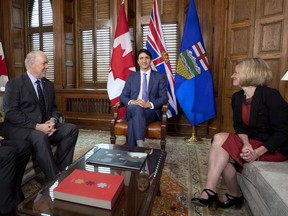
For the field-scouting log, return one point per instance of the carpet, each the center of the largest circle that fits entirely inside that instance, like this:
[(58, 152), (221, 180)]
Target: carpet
[(184, 174), (173, 199)]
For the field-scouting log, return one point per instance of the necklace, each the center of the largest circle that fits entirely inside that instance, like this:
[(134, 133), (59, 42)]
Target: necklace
[(247, 100)]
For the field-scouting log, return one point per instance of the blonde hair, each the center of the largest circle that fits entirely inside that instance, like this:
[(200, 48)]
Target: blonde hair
[(253, 72)]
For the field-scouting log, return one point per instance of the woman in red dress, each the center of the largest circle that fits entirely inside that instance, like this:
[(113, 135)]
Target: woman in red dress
[(260, 116)]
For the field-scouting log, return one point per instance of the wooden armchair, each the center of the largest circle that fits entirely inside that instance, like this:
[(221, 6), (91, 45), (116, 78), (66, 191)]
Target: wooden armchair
[(155, 130)]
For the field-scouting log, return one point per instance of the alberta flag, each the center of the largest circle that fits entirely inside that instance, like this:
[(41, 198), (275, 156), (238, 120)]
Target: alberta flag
[(3, 69), (193, 79), (160, 60), (122, 61)]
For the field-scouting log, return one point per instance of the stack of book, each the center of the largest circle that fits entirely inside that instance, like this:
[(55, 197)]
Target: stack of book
[(90, 188)]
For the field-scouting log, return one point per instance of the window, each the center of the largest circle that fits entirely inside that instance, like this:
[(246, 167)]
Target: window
[(95, 42), (102, 56), (40, 30)]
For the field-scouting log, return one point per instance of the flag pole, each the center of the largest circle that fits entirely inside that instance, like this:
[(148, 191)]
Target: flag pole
[(194, 139)]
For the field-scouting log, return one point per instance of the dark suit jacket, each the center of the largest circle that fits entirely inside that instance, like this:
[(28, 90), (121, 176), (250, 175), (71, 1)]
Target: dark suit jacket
[(268, 118), (157, 92), (21, 106)]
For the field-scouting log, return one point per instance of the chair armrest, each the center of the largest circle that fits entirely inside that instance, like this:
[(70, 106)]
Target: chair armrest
[(113, 122), (115, 111), (59, 117), (164, 113)]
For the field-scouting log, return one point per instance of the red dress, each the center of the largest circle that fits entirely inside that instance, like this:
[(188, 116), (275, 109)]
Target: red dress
[(233, 144)]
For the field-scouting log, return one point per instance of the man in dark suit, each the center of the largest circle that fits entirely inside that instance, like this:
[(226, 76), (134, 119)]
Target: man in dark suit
[(14, 156), (143, 101), (31, 115)]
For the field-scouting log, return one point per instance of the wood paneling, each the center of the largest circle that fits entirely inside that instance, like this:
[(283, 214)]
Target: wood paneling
[(13, 35), (231, 30), (255, 28), (69, 26), (89, 109)]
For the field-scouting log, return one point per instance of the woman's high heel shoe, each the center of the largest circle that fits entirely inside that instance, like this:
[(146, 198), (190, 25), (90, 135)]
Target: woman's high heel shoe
[(210, 202), (232, 201)]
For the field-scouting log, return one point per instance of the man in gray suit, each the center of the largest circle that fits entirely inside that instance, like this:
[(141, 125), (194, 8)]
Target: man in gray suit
[(143, 101), (31, 115)]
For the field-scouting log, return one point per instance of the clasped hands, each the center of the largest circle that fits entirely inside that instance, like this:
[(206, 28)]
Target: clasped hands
[(48, 127), (141, 102), (248, 153)]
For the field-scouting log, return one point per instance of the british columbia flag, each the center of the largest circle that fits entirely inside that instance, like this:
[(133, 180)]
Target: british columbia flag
[(155, 43)]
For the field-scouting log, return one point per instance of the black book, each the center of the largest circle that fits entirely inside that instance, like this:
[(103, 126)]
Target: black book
[(118, 158)]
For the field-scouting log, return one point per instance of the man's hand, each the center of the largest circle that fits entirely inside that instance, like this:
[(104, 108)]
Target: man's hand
[(141, 103), (47, 128)]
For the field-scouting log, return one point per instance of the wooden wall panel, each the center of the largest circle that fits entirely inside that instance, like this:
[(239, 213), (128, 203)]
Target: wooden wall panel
[(239, 44), (271, 35), (69, 26), (85, 8), (255, 29), (12, 35), (241, 10), (272, 7)]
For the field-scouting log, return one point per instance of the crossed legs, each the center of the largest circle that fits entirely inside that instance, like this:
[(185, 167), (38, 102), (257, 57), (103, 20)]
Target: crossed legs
[(138, 118), (219, 164)]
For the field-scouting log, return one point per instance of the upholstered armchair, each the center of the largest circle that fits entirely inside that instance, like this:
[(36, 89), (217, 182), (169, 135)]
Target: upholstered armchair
[(155, 130)]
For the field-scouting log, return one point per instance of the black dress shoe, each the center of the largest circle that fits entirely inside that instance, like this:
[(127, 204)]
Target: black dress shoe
[(231, 201), (211, 202)]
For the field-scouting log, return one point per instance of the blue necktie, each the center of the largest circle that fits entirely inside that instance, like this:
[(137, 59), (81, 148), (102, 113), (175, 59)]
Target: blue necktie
[(144, 88), (41, 101)]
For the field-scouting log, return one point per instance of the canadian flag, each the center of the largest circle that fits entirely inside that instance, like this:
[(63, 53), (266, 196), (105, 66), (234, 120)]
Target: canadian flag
[(3, 70), (122, 60)]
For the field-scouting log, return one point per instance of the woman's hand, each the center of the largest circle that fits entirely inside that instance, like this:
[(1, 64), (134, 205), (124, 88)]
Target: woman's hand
[(246, 147), (250, 155)]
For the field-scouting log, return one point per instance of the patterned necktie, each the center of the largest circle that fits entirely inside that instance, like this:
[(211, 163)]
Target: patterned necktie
[(144, 88), (41, 101)]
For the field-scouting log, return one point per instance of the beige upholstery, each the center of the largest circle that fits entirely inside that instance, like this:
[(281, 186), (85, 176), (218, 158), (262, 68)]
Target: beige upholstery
[(265, 187)]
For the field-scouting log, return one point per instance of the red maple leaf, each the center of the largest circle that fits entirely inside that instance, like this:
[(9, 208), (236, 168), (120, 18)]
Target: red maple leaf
[(3, 68), (120, 64)]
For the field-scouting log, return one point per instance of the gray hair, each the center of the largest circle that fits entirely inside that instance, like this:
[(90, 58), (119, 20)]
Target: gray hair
[(31, 58)]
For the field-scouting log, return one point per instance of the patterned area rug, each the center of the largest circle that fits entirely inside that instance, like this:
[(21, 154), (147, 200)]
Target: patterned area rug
[(173, 199), (184, 174)]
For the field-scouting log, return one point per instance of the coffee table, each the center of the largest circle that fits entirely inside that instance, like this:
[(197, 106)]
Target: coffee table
[(138, 197)]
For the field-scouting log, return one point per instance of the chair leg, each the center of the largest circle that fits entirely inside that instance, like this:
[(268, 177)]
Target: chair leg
[(163, 144), (159, 191), (113, 139)]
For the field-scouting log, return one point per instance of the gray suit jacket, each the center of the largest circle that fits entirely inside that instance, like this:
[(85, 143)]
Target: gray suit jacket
[(21, 107)]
